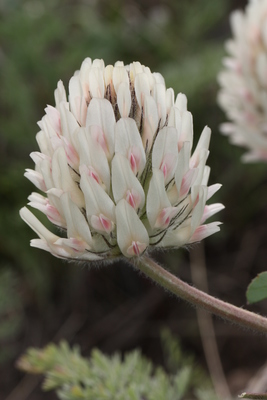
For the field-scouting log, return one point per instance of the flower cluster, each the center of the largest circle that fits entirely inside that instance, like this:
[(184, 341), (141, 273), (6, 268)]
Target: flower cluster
[(243, 94), (116, 167)]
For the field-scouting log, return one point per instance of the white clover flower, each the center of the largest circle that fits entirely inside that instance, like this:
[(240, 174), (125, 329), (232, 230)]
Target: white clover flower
[(243, 94), (116, 168)]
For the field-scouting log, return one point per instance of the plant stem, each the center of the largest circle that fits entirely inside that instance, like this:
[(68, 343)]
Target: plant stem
[(205, 324), (198, 298), (253, 396)]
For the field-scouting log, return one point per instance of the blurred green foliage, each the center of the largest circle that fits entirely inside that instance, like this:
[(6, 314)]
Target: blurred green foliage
[(132, 377), (11, 313)]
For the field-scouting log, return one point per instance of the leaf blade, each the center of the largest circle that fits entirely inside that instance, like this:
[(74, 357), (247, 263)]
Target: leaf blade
[(257, 289)]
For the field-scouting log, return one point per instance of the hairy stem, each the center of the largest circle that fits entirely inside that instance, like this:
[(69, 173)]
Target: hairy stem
[(198, 298), (253, 396)]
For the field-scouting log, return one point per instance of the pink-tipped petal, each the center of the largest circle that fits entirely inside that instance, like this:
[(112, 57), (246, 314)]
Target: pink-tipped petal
[(132, 236), (136, 249), (204, 231), (187, 181), (165, 216), (102, 223), (210, 210)]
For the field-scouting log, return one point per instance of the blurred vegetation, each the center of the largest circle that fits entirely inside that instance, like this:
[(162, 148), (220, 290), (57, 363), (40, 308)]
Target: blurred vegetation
[(44, 41), (11, 313), (106, 378)]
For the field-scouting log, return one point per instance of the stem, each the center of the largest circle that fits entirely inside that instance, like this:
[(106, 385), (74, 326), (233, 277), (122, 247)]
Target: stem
[(198, 298), (253, 396), (205, 324)]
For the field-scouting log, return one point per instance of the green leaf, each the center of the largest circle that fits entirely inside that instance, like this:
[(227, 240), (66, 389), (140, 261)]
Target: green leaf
[(257, 289)]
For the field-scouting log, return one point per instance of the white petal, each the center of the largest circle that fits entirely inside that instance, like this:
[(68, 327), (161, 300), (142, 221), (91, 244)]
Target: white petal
[(44, 143), (96, 82), (181, 102), (93, 156), (45, 169), (101, 223), (100, 113), (150, 121), (108, 76), (201, 166), (124, 99), (98, 63), (37, 197), (85, 67), (45, 206), (62, 177), (151, 78), (159, 94), (264, 34), (61, 248), (37, 226), (71, 153), (169, 99), (186, 128), (142, 89), (75, 95), (237, 23), (36, 178), (187, 181), (119, 76), (75, 90), (69, 125), (199, 208), (227, 128), (128, 142), (54, 118), (84, 77), (125, 184), (132, 236), (176, 238), (43, 245), (57, 251), (158, 78), (203, 143), (206, 175), (98, 203), (38, 157), (77, 226), (157, 198), (182, 164), (213, 189), (78, 249), (135, 68), (175, 120), (165, 152), (261, 67), (204, 231), (60, 94), (210, 210), (164, 217)]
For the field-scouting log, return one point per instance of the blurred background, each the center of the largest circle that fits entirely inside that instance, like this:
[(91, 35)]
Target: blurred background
[(43, 299)]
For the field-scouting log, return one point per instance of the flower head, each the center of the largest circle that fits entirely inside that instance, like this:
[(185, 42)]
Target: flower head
[(116, 167), (243, 94)]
